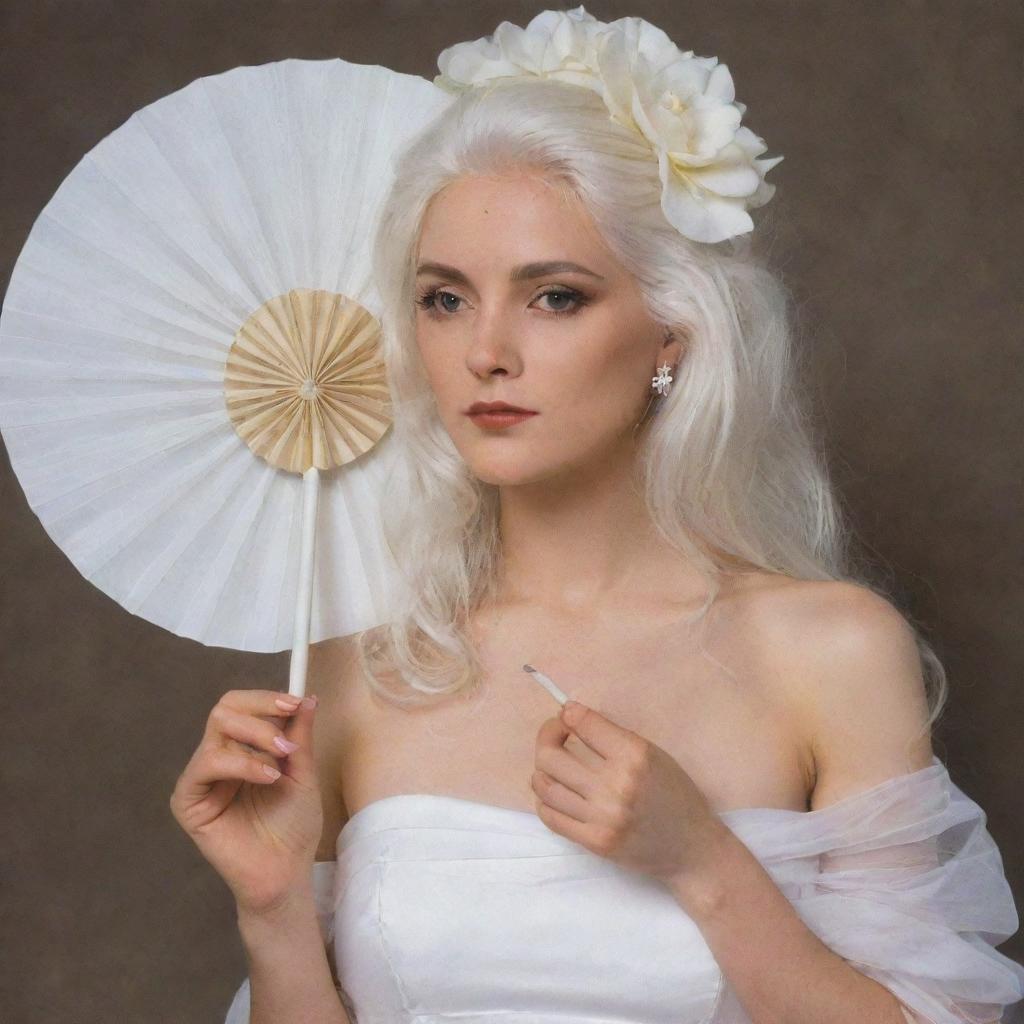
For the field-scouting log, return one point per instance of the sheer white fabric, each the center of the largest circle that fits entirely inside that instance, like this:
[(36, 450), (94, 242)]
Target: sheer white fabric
[(442, 908), (908, 887)]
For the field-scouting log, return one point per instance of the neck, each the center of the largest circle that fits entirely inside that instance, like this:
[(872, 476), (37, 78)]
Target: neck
[(583, 540)]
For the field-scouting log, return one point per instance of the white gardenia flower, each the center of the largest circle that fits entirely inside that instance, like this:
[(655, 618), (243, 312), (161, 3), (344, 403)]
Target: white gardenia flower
[(686, 109), (683, 105), (555, 44)]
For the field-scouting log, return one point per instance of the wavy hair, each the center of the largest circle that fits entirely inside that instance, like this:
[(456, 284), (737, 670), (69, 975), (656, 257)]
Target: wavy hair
[(729, 468)]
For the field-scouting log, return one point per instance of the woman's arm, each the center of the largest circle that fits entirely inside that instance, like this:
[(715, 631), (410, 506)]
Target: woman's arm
[(859, 696), (292, 978), (780, 970), (289, 974)]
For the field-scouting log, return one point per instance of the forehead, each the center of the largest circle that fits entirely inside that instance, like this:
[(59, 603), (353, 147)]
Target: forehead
[(515, 216)]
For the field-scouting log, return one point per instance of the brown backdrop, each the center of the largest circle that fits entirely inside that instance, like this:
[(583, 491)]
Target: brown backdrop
[(899, 226)]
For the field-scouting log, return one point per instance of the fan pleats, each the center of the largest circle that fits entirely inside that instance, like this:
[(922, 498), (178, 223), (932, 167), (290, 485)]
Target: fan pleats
[(256, 186)]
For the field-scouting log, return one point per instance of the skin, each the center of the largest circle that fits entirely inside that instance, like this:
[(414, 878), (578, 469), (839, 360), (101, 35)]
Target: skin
[(580, 551), (798, 692), (584, 361), (586, 368), (583, 561)]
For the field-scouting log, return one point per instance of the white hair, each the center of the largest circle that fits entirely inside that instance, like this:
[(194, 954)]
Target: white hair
[(729, 469)]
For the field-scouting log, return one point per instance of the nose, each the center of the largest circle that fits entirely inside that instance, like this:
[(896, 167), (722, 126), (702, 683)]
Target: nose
[(491, 350)]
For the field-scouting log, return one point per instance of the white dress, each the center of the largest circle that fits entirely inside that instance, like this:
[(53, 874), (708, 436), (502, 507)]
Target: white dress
[(447, 911)]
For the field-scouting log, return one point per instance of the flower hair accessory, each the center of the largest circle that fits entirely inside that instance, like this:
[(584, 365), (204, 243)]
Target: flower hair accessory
[(683, 105)]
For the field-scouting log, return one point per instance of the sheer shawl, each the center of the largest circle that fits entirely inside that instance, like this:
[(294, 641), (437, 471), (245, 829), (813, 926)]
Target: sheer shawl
[(904, 881)]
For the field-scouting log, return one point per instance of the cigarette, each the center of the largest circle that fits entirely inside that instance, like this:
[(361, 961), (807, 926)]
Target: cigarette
[(547, 683)]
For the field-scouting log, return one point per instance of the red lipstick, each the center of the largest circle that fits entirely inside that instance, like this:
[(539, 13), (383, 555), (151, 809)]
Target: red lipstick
[(498, 414)]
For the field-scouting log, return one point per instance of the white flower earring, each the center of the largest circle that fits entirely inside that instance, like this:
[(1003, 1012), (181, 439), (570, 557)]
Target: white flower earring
[(663, 381)]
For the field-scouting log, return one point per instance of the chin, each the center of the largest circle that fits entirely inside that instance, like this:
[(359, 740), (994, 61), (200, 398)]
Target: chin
[(511, 472), (507, 468), (504, 476), (508, 462)]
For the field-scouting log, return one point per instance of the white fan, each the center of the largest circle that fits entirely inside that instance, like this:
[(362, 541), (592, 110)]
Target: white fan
[(190, 342)]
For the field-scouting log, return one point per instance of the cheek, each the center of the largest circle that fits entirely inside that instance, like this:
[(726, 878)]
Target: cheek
[(437, 366), (592, 382), (451, 384), (607, 385)]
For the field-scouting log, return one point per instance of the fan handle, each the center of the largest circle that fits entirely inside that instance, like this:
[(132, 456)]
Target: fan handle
[(304, 598)]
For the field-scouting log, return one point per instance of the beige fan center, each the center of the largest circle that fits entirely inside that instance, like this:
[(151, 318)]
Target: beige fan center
[(305, 383)]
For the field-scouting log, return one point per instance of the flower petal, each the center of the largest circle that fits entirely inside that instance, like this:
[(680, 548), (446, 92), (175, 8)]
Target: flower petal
[(642, 39), (704, 218), (616, 80), (720, 85), (728, 179), (683, 105)]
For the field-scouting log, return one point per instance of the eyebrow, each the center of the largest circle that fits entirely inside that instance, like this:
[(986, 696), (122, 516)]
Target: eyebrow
[(521, 273)]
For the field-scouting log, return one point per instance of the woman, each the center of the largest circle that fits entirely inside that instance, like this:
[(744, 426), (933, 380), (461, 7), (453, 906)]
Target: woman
[(751, 744)]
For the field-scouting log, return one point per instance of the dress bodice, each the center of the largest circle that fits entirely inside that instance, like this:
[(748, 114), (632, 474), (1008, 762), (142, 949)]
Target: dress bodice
[(449, 908), (443, 910)]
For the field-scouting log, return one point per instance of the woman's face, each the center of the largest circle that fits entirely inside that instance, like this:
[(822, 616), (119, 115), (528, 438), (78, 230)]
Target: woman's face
[(575, 345)]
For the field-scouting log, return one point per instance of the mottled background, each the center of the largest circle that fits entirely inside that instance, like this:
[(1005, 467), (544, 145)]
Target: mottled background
[(898, 226)]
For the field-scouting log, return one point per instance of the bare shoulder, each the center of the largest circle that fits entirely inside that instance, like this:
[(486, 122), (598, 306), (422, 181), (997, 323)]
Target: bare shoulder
[(848, 661), (332, 674), (819, 613)]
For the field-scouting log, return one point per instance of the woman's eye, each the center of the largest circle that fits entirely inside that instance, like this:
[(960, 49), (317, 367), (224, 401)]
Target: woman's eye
[(562, 294), (429, 299)]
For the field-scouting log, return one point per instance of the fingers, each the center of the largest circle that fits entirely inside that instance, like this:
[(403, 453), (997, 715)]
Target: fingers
[(268, 704), (210, 781), (553, 733), (238, 745), (272, 723), (299, 764), (556, 794), (566, 768), (220, 764), (264, 735)]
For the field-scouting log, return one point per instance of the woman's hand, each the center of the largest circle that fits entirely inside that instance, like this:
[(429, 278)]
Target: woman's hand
[(259, 833), (637, 808)]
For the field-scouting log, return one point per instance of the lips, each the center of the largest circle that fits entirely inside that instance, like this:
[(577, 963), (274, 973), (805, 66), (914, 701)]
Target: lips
[(477, 407)]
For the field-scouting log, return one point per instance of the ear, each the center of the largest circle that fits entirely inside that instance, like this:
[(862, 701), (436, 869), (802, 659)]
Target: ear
[(673, 346)]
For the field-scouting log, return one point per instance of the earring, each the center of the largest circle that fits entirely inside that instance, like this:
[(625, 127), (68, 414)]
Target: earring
[(663, 381)]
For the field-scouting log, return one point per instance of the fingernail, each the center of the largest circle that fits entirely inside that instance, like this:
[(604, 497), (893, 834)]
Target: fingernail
[(285, 745), (287, 703), (310, 702)]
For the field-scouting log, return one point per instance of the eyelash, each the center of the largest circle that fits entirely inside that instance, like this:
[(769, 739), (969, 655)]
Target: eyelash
[(426, 301)]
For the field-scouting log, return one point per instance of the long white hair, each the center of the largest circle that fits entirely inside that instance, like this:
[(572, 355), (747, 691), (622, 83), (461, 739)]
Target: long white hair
[(729, 468)]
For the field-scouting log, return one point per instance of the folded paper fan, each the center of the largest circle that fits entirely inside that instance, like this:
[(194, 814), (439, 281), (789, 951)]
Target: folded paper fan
[(191, 387), (304, 384)]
